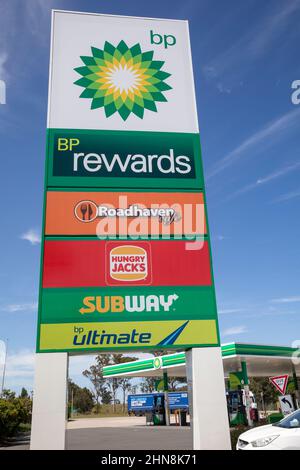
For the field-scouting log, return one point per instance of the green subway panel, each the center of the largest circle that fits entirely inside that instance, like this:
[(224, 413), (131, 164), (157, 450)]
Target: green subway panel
[(115, 304)]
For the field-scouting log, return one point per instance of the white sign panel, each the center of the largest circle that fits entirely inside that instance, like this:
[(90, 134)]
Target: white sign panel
[(286, 404), (135, 74)]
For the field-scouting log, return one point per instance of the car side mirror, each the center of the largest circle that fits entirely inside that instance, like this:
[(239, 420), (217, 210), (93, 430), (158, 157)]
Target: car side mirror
[(294, 423)]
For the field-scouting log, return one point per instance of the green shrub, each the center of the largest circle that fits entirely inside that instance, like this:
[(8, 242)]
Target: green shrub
[(13, 412)]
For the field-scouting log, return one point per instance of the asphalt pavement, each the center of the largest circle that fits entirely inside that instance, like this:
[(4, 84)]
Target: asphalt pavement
[(128, 433)]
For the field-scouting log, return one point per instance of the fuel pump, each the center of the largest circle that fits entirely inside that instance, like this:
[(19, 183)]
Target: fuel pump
[(236, 408), (159, 411)]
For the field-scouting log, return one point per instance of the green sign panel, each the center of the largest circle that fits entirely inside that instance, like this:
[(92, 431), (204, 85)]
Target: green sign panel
[(124, 159), (116, 304), (236, 380)]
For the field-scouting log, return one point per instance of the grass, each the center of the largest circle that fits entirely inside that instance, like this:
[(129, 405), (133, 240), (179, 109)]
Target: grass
[(105, 411)]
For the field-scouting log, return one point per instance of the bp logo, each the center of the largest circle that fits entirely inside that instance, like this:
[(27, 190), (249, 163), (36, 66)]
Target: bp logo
[(157, 363), (122, 80)]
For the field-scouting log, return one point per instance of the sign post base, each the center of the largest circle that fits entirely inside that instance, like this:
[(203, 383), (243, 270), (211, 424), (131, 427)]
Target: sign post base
[(49, 413), (207, 399)]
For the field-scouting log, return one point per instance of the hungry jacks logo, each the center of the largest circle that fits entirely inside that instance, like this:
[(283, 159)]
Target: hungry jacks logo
[(128, 264), (122, 80)]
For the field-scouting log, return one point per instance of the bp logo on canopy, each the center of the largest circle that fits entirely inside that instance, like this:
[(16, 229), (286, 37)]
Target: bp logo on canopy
[(123, 80)]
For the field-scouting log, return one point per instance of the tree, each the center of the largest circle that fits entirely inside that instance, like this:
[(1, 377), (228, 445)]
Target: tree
[(106, 397), (125, 385), (158, 353), (13, 412), (148, 384), (124, 382), (80, 398), (259, 385), (8, 394), (107, 388), (113, 384), (174, 382), (24, 393), (94, 374), (83, 401)]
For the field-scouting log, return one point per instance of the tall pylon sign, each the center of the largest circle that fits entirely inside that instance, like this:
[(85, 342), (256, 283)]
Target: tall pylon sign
[(126, 262), (126, 252)]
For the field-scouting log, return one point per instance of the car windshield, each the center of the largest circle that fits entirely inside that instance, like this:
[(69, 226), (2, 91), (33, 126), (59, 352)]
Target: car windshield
[(290, 421)]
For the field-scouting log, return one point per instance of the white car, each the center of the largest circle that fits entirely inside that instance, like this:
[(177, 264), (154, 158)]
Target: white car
[(284, 435)]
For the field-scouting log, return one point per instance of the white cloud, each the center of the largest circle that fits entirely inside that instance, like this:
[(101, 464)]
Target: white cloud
[(287, 196), (77, 364), (35, 16), (234, 330), (2, 354), (254, 43), (3, 58), (223, 89), (20, 363), (273, 26), (223, 311), (32, 235), (261, 181), (219, 238), (12, 308), (278, 173), (285, 300), (19, 370), (274, 129)]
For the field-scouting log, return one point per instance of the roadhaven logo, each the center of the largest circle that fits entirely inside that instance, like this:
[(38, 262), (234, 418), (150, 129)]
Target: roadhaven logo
[(88, 211), (128, 303)]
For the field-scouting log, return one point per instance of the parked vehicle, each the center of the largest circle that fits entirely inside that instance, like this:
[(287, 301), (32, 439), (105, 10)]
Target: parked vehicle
[(283, 435)]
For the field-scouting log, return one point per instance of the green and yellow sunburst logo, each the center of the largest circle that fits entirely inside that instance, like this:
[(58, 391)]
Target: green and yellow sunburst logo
[(122, 80)]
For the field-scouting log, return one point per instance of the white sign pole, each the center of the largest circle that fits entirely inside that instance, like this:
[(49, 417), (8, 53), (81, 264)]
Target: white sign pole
[(49, 412), (207, 399)]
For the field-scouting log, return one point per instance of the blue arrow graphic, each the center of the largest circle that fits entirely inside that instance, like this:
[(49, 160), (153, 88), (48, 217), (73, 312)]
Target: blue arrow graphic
[(170, 339)]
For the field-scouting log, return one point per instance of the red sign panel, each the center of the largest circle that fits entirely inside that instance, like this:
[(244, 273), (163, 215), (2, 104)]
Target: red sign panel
[(89, 263)]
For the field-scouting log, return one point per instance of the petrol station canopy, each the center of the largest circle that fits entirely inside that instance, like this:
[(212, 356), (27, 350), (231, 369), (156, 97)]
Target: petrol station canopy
[(261, 360)]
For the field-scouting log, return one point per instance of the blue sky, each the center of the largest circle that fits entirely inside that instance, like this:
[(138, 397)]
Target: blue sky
[(245, 58)]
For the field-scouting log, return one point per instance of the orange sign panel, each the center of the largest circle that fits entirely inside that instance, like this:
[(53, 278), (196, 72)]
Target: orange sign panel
[(109, 214)]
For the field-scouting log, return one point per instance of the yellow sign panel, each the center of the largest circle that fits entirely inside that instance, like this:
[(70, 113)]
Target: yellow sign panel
[(117, 335)]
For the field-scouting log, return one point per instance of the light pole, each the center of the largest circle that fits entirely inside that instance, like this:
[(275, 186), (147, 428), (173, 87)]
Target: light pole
[(4, 367), (72, 403)]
